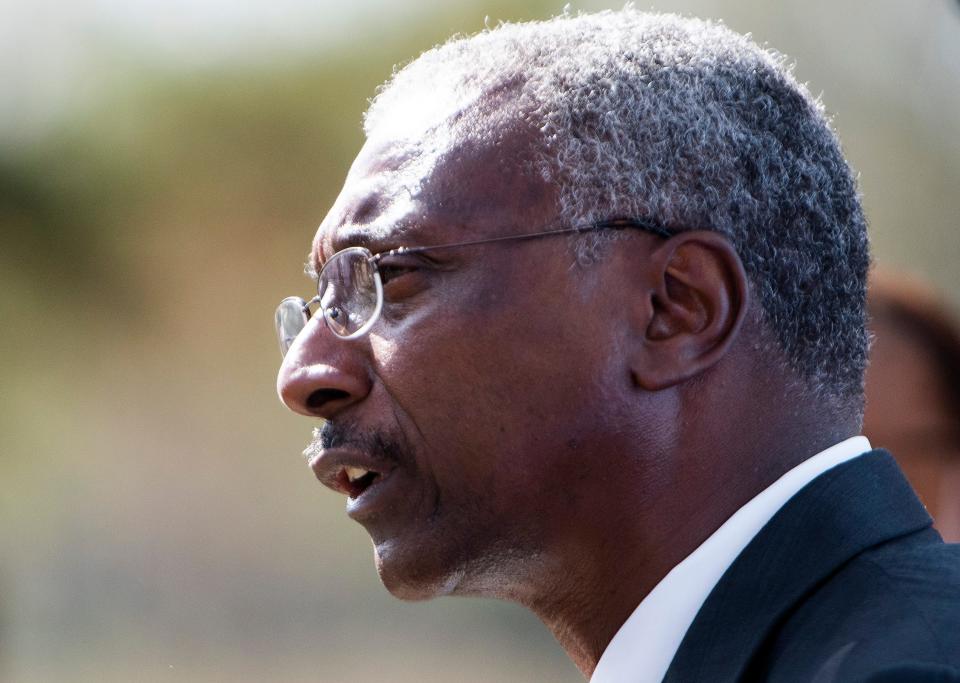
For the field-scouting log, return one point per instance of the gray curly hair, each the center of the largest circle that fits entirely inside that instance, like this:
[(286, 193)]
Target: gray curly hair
[(683, 122)]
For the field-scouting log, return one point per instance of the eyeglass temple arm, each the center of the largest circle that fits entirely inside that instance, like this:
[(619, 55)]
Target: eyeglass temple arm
[(623, 223), (614, 224)]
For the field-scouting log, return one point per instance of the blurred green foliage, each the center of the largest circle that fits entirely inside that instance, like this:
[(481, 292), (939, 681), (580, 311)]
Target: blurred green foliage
[(157, 521)]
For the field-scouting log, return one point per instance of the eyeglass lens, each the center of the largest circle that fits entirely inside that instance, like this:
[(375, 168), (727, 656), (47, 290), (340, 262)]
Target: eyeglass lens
[(291, 317), (349, 291), (350, 295)]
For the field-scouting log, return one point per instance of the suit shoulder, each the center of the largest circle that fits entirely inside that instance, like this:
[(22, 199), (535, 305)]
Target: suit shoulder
[(893, 606), (924, 573)]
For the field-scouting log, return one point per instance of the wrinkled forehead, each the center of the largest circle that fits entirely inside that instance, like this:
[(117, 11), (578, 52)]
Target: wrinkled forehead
[(464, 175)]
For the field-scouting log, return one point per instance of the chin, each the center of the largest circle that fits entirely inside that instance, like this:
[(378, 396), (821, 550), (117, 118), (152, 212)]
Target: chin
[(415, 571)]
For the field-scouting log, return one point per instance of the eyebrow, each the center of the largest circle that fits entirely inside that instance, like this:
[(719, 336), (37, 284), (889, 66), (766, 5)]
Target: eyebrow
[(406, 230), (312, 265), (355, 238)]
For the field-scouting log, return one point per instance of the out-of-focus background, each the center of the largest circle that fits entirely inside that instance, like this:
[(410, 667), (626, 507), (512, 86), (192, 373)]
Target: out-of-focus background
[(162, 169)]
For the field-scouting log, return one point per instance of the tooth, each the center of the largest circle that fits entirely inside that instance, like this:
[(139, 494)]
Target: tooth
[(354, 473)]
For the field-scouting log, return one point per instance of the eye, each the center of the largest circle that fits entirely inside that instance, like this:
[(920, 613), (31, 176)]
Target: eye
[(403, 279), (392, 271)]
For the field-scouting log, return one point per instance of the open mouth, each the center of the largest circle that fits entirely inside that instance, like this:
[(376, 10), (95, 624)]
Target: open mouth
[(348, 471), (355, 480)]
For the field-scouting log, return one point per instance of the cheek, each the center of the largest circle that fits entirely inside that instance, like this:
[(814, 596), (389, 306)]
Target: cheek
[(496, 370), (481, 389)]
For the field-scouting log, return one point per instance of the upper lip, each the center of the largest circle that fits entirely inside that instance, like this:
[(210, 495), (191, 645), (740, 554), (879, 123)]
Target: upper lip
[(330, 465)]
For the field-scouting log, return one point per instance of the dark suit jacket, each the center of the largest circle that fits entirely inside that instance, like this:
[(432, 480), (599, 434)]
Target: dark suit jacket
[(847, 582)]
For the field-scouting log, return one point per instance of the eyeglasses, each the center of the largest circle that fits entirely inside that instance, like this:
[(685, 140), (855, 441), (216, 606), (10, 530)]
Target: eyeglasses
[(350, 291)]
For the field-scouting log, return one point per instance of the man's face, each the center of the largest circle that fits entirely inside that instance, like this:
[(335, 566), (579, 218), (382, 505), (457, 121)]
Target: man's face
[(484, 389)]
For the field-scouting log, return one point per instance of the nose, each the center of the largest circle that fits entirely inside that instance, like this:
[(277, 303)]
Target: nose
[(322, 374)]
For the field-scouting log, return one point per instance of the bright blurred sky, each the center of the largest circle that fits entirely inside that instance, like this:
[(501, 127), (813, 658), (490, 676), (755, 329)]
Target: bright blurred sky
[(179, 28), (52, 51)]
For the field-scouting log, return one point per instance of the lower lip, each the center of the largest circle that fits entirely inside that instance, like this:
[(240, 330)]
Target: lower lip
[(382, 496)]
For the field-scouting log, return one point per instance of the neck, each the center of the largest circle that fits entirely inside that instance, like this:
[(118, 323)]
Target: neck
[(652, 517)]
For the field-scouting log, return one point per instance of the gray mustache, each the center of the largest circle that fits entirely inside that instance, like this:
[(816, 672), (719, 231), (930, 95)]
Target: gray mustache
[(376, 443)]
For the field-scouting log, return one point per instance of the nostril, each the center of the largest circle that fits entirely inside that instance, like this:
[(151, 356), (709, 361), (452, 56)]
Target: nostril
[(322, 397), (320, 387)]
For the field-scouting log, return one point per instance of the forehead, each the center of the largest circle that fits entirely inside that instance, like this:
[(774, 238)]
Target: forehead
[(445, 186)]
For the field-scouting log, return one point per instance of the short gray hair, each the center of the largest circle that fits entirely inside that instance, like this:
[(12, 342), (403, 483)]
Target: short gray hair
[(687, 123)]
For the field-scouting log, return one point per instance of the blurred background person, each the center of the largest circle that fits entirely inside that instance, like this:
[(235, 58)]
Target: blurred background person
[(913, 390)]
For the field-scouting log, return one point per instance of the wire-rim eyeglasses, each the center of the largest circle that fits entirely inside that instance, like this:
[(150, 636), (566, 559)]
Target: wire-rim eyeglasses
[(350, 288)]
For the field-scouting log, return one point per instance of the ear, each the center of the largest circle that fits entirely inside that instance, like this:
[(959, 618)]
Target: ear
[(697, 298)]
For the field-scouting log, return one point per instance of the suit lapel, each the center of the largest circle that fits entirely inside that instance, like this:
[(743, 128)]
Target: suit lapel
[(844, 511)]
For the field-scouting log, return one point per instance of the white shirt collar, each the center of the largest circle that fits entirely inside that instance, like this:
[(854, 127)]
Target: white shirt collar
[(646, 643)]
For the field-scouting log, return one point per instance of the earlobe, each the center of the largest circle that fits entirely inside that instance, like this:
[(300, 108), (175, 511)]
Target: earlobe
[(697, 301)]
